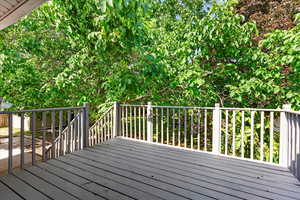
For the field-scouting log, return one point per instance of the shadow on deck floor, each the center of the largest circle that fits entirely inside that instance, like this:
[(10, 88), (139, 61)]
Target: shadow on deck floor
[(127, 169)]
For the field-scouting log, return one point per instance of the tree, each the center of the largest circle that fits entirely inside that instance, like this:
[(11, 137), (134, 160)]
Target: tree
[(167, 52), (269, 15), (64, 51)]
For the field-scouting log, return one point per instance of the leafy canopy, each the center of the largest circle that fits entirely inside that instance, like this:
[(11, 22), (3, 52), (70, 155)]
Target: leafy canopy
[(167, 52)]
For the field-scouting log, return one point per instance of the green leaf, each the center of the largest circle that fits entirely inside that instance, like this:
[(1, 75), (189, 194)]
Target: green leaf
[(103, 5), (297, 17), (126, 3), (110, 3)]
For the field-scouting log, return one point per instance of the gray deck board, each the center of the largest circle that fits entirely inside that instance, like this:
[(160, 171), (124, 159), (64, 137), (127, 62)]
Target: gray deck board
[(221, 159), (189, 162), (142, 191), (6, 193), (65, 185), (43, 186), (73, 178), (84, 182), (197, 159), (200, 168), (147, 180), (202, 173), (23, 189), (198, 187), (122, 169), (176, 175), (108, 187), (234, 161), (211, 160)]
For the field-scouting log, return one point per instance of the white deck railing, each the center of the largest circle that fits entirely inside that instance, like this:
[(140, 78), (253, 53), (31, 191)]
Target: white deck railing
[(103, 128), (291, 142), (53, 132), (69, 139), (261, 135)]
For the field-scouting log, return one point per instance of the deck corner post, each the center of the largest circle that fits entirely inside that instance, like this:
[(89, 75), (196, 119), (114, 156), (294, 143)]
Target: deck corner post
[(116, 120), (85, 124), (10, 143), (216, 129), (284, 136), (149, 122)]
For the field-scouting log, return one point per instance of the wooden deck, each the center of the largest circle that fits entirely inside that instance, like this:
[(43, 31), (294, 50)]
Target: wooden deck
[(126, 169)]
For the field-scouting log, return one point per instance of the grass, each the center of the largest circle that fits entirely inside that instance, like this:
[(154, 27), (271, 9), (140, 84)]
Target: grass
[(4, 132), (16, 132)]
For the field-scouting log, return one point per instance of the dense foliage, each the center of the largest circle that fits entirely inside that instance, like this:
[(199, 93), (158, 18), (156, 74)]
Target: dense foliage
[(133, 51), (270, 14)]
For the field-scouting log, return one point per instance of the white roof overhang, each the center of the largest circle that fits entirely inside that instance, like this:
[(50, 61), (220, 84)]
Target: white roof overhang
[(12, 10)]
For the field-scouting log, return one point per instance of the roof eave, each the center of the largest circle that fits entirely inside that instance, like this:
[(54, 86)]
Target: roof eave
[(23, 8)]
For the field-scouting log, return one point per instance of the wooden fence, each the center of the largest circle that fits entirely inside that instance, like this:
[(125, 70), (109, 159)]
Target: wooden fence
[(3, 120)]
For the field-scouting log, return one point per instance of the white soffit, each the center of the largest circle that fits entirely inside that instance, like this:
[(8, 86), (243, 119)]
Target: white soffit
[(12, 10)]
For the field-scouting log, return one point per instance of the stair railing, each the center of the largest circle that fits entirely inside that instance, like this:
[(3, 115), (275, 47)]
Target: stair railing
[(53, 132), (106, 127), (69, 140)]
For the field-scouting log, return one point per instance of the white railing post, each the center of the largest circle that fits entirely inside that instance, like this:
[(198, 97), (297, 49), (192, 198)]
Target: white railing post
[(116, 119), (10, 143), (85, 125), (283, 150), (149, 122), (216, 129), (298, 147)]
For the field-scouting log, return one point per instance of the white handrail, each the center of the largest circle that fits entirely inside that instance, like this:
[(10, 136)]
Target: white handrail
[(248, 133), (102, 129)]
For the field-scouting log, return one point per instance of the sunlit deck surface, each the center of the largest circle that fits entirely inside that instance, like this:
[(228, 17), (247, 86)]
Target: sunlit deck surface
[(127, 169)]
